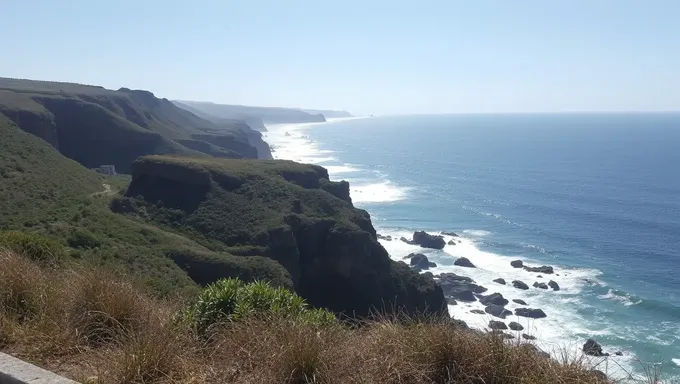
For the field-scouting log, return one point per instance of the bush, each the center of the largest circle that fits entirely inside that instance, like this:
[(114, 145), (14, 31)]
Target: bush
[(34, 246), (22, 287), (232, 300), (83, 239)]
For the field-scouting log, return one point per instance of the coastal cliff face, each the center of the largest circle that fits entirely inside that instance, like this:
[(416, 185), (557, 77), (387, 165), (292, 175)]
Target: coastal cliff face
[(96, 126), (289, 213)]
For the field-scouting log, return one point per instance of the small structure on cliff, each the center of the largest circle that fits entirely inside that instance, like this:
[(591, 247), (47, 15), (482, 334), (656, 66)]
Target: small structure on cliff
[(107, 170)]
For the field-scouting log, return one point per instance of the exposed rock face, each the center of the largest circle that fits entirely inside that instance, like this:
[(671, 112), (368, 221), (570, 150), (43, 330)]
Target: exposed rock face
[(540, 285), (542, 269), (520, 301), (497, 310), (497, 325), (426, 240), (460, 288), (329, 247), (520, 285), (499, 281), (464, 262), (517, 263), (515, 326), (552, 284), (494, 298), (592, 348), (531, 313)]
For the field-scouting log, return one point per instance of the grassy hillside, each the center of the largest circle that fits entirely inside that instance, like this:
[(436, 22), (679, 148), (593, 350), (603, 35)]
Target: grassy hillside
[(96, 126), (44, 192), (287, 212), (99, 327)]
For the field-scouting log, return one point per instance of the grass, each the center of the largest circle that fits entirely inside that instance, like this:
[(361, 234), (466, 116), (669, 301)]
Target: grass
[(97, 327)]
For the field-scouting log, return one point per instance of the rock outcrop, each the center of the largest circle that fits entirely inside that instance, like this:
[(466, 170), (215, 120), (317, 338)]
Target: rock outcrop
[(499, 281), (420, 262), (426, 240), (494, 298), (459, 287), (593, 348), (540, 285), (517, 263), (519, 301), (497, 310), (497, 325), (542, 269), (531, 313), (515, 326), (464, 262), (520, 284), (552, 284)]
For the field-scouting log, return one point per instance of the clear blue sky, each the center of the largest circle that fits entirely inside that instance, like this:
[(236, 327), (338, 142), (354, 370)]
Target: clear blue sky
[(365, 56)]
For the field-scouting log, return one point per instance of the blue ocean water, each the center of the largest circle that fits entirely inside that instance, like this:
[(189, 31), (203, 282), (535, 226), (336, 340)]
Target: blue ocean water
[(595, 195)]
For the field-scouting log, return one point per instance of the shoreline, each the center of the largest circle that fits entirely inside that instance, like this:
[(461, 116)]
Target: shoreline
[(560, 331)]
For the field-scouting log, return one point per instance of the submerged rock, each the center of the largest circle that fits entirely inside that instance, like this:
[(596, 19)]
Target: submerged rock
[(531, 313), (407, 241), (618, 353), (452, 234), (499, 281), (515, 326), (520, 301), (381, 237), (540, 285), (426, 240), (552, 284), (542, 269), (593, 348), (496, 325), (497, 310), (451, 242), (464, 262), (517, 263), (520, 284), (494, 298), (478, 312)]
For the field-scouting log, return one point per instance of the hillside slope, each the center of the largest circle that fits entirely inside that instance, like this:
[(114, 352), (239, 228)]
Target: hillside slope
[(287, 212), (96, 126)]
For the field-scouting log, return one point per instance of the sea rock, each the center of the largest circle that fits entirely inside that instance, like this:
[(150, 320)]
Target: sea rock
[(508, 336), (458, 287), (540, 276), (451, 242), (478, 312), (528, 337), (451, 301), (381, 237), (497, 310), (426, 240), (494, 298), (464, 262), (407, 241), (429, 275), (552, 284), (519, 284), (540, 285), (432, 264), (517, 263), (515, 326), (542, 269), (520, 301), (531, 313), (499, 281), (419, 262), (452, 234), (618, 353), (496, 325), (593, 348), (460, 324)]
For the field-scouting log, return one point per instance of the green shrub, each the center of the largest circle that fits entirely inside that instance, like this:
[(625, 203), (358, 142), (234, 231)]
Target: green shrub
[(83, 239), (232, 300), (34, 246)]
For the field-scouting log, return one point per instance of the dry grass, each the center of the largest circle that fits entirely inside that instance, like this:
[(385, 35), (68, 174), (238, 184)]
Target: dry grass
[(98, 328)]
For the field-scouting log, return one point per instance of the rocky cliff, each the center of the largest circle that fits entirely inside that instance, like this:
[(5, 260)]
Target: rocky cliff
[(96, 126), (287, 212)]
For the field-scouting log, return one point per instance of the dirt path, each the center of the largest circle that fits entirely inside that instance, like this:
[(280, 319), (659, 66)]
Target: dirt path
[(107, 191)]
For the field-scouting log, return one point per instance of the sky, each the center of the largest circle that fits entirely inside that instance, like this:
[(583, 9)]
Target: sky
[(369, 56)]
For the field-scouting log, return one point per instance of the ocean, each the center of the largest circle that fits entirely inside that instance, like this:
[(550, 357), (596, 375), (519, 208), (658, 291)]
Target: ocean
[(596, 196)]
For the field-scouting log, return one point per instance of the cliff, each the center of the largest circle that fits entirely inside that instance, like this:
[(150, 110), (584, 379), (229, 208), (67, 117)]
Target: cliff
[(255, 116), (287, 212), (96, 126)]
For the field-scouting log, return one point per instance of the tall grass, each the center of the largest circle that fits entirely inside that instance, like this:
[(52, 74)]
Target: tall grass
[(96, 327)]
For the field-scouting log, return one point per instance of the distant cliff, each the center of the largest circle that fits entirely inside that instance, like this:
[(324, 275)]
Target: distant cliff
[(255, 116), (96, 126), (328, 114)]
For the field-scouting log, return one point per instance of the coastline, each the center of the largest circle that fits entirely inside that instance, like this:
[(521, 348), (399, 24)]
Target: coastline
[(557, 334)]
